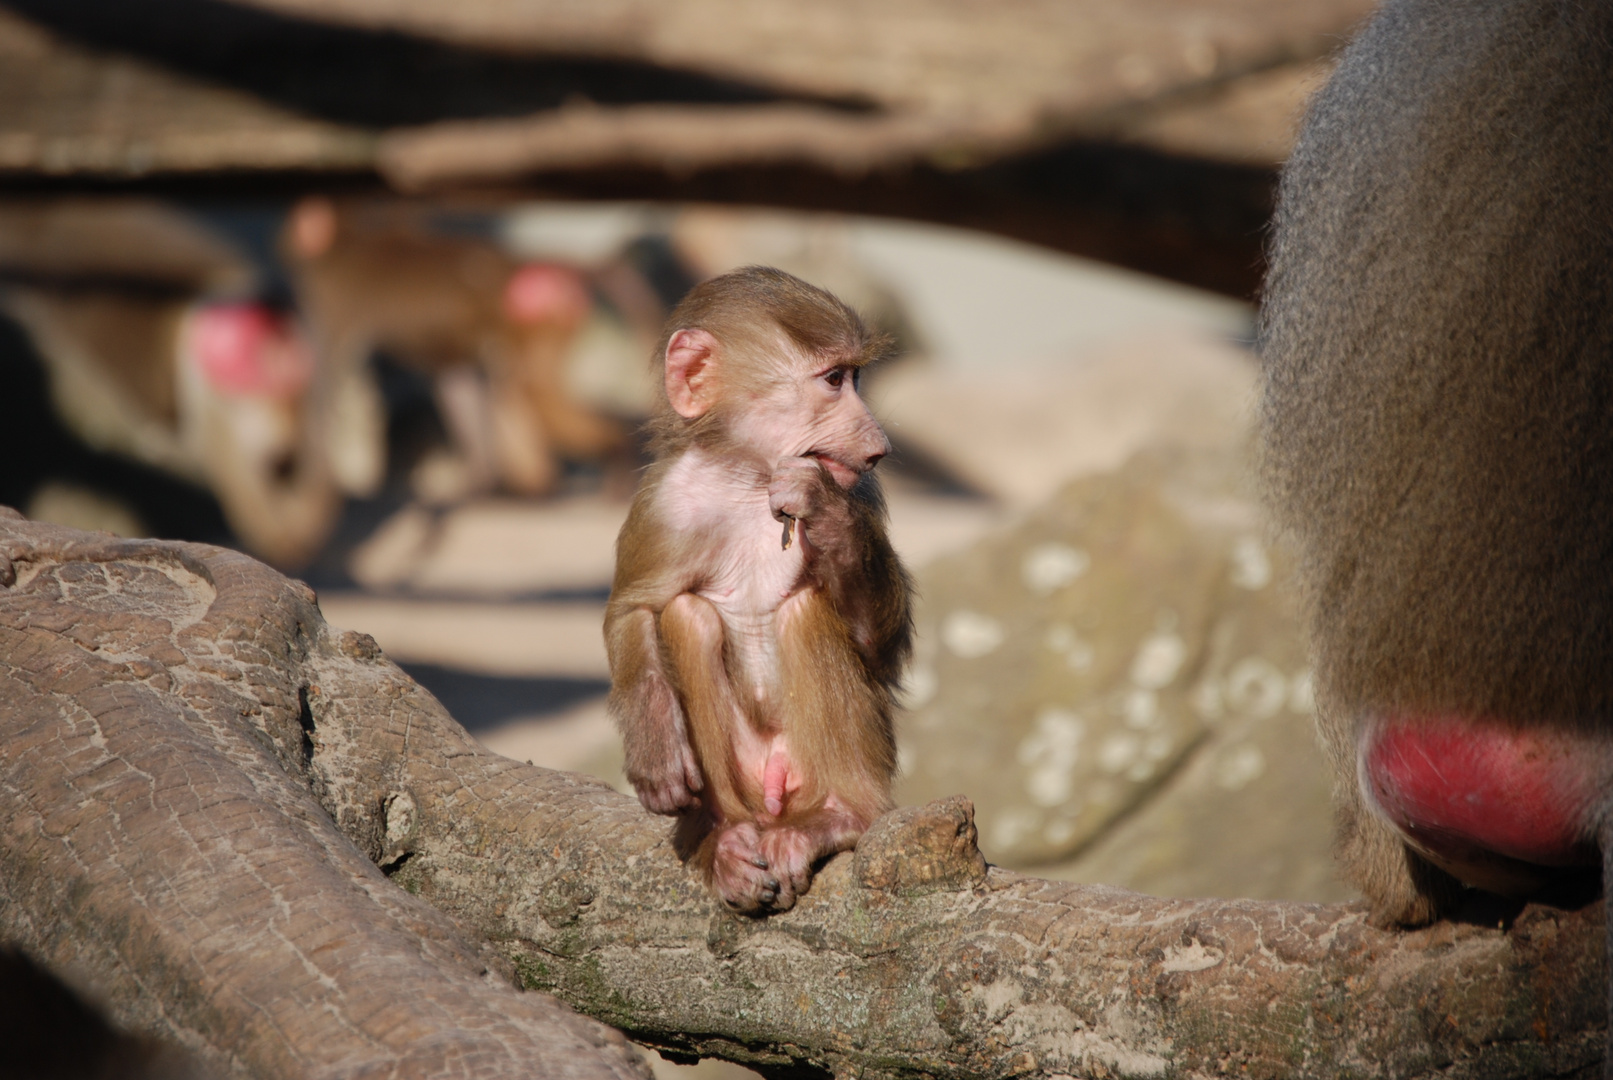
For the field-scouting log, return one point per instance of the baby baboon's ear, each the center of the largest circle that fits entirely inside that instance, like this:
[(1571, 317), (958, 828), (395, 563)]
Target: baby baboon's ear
[(691, 372)]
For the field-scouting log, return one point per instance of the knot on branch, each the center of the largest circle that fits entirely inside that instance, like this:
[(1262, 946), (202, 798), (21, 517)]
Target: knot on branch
[(357, 646), (564, 900), (922, 849), (399, 819)]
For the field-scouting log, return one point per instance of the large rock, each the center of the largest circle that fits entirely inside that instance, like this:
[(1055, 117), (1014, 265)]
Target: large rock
[(1120, 679)]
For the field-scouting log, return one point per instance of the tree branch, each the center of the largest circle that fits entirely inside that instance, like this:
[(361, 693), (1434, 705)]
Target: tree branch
[(181, 730)]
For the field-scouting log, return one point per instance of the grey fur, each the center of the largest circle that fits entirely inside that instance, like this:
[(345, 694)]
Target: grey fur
[(1437, 421)]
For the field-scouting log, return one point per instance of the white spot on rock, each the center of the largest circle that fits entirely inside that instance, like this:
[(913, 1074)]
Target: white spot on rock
[(971, 635), (1255, 686), (1118, 752), (1239, 766), (1062, 638), (1051, 566), (1051, 751), (1140, 708), (1158, 660), (1012, 826), (1059, 831), (1251, 566), (1057, 734), (1048, 786)]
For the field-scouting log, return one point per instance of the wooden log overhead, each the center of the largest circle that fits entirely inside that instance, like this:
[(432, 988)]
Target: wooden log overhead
[(1091, 116)]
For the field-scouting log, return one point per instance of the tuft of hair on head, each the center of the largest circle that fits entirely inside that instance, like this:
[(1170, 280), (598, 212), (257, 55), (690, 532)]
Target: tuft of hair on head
[(755, 313)]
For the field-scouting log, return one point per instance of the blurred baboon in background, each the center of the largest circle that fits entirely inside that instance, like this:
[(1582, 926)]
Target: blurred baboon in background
[(216, 392), (492, 332), (1437, 335), (156, 349)]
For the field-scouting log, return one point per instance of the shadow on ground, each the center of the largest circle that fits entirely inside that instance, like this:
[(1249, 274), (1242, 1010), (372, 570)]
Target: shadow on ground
[(481, 701)]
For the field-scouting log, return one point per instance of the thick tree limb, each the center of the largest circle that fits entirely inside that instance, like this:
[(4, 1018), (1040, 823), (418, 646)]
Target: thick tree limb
[(178, 723), (161, 836)]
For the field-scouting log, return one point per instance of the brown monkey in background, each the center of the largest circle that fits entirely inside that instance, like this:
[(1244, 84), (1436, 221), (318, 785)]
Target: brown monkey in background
[(492, 331), (1437, 335), (753, 669), (212, 390), (146, 325)]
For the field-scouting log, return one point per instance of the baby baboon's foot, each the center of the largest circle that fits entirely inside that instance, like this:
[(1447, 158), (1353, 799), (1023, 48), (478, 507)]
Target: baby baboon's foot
[(790, 854), (742, 875)]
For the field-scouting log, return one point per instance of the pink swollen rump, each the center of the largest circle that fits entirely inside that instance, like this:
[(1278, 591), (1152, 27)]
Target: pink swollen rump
[(245, 349), (1457, 786), (546, 293)]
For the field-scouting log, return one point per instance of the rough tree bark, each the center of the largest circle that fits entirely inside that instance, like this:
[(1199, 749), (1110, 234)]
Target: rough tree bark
[(204, 790)]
